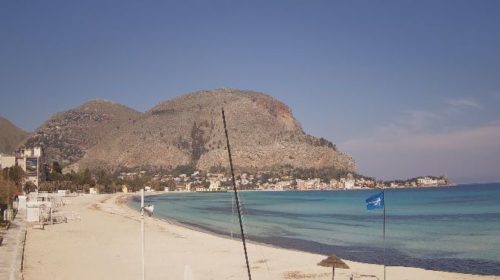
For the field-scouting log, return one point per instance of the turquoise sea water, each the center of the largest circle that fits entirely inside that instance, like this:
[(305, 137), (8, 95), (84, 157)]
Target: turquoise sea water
[(451, 229)]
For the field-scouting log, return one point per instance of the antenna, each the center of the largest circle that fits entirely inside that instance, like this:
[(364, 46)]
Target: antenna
[(236, 195)]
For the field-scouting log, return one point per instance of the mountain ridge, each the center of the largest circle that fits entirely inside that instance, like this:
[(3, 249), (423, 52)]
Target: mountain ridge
[(186, 129), (66, 136), (11, 136)]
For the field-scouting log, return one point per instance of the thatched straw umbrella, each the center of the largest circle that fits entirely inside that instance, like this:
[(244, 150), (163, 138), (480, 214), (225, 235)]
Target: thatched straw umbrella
[(333, 262)]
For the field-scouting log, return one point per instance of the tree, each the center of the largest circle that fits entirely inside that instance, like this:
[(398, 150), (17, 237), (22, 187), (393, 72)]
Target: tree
[(7, 191), (205, 184), (56, 167), (187, 169), (157, 186), (69, 176), (103, 178), (170, 184), (137, 183), (86, 178), (56, 172), (29, 187), (14, 174), (217, 169)]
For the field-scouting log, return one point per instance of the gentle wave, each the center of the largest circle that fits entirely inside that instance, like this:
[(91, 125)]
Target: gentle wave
[(449, 229)]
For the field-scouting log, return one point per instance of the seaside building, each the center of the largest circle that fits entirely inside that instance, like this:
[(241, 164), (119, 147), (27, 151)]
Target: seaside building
[(427, 181), (334, 183), (310, 184), (32, 162), (215, 185), (347, 183), (393, 185), (284, 185)]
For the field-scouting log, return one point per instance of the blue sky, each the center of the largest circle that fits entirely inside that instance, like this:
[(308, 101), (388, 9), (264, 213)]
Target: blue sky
[(407, 87)]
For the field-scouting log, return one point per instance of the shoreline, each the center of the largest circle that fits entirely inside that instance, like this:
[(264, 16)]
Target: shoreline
[(74, 250), (260, 241)]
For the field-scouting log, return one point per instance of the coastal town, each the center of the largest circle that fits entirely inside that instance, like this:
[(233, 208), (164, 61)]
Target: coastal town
[(215, 182), (50, 177)]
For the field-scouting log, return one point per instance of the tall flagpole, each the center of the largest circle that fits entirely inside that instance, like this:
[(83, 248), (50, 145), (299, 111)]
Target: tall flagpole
[(383, 193)]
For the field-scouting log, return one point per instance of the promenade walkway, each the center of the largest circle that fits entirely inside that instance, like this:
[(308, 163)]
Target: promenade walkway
[(12, 248)]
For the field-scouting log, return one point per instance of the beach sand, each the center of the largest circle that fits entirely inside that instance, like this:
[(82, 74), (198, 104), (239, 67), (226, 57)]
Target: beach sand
[(106, 244)]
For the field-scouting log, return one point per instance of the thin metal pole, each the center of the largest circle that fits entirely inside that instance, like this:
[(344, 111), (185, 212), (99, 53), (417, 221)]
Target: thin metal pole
[(383, 193), (236, 195), (142, 233), (232, 216)]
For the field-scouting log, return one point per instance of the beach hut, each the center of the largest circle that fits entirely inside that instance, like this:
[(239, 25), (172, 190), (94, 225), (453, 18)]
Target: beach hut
[(333, 262)]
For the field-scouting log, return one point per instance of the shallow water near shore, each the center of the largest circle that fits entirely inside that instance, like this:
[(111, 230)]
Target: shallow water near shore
[(450, 229)]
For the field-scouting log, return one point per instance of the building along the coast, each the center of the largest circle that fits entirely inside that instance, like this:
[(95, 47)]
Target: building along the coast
[(215, 185), (30, 160)]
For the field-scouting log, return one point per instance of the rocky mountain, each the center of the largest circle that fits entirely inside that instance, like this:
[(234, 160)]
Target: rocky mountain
[(68, 135), (10, 136), (189, 129)]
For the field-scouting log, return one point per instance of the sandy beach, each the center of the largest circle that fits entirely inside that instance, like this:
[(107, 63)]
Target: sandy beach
[(105, 244)]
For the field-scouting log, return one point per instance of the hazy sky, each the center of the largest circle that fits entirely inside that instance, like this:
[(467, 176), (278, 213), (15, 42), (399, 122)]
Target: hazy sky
[(407, 87)]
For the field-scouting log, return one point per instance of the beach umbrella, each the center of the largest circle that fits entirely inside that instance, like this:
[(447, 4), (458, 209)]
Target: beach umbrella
[(333, 262)]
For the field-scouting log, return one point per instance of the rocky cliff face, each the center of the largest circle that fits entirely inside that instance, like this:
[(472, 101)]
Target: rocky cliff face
[(189, 129), (10, 136), (67, 136)]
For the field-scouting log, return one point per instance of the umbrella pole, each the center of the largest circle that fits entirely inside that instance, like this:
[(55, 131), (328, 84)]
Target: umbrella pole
[(333, 272)]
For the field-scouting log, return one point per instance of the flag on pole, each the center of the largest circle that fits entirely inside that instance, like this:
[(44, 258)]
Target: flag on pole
[(375, 201)]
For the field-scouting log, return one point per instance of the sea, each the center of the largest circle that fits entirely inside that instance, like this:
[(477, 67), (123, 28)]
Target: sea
[(454, 229)]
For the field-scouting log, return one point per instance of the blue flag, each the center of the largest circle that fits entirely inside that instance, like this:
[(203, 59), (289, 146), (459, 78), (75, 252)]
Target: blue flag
[(375, 201)]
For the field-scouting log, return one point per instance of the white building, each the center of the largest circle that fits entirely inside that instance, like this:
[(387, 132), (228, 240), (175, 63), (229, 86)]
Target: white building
[(283, 185), (348, 183), (214, 185), (30, 160), (7, 161), (427, 181)]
